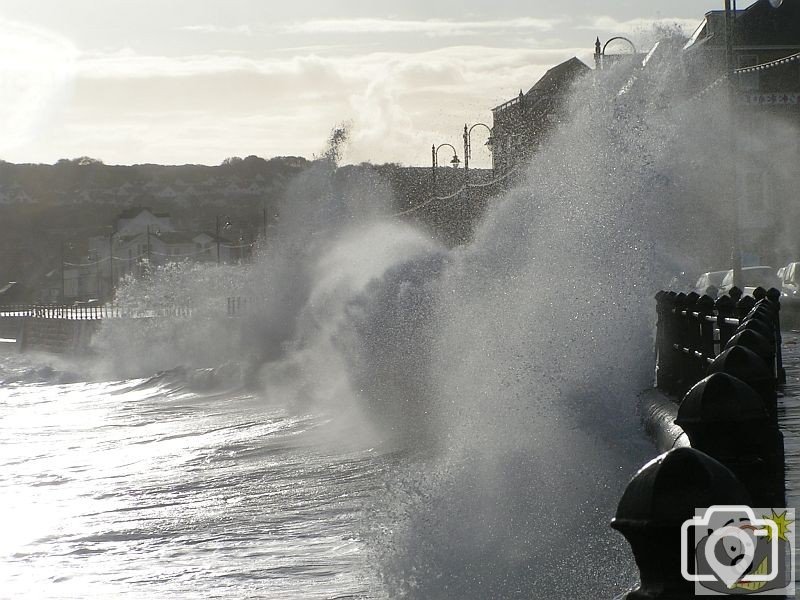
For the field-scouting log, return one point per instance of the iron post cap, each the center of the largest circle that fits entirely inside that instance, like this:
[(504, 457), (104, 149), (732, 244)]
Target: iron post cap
[(720, 398), (705, 304), (746, 303), (765, 329), (759, 293), (761, 311), (753, 340), (773, 294), (667, 490), (743, 364), (724, 304)]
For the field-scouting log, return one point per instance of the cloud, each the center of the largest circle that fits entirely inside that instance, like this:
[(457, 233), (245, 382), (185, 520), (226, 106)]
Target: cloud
[(205, 107), (612, 25), (36, 70), (235, 29), (431, 27)]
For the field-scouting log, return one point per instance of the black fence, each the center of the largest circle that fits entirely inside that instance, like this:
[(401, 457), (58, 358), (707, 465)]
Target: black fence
[(721, 363), (91, 312), (235, 306), (692, 331)]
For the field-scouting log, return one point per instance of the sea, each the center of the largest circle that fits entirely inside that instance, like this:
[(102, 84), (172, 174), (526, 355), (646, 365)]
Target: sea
[(391, 417)]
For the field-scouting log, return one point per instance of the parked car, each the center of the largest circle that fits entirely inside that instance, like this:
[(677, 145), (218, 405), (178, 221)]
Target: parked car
[(710, 282), (752, 277), (790, 279)]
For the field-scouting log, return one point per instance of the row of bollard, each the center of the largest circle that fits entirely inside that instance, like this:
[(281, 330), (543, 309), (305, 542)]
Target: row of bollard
[(723, 360), (692, 330)]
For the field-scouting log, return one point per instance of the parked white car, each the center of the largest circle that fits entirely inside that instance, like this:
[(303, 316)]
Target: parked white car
[(790, 279), (752, 277), (710, 282)]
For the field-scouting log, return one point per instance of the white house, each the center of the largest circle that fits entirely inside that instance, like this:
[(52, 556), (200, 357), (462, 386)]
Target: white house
[(140, 237)]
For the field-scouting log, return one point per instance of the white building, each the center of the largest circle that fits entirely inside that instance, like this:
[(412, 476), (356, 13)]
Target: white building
[(140, 237)]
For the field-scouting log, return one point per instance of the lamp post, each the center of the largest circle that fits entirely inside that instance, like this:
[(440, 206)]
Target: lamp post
[(732, 187), (226, 225), (468, 151), (435, 160), (468, 143)]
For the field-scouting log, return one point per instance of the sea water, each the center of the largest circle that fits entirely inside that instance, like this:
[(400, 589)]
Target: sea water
[(390, 418)]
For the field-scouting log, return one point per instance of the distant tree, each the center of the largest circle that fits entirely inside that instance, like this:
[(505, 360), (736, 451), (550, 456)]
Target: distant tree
[(81, 161), (231, 161)]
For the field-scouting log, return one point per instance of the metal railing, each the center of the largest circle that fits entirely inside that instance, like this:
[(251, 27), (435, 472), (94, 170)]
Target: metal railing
[(90, 312), (692, 331)]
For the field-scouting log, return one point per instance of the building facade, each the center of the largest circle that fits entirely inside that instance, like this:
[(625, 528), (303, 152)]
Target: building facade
[(522, 124), (764, 146), (140, 239)]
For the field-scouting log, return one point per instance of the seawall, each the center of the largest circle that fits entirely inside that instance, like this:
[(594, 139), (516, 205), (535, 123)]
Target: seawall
[(60, 336)]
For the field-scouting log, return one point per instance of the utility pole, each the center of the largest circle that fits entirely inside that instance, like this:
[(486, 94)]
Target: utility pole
[(111, 264), (97, 273), (63, 286), (217, 239), (148, 247)]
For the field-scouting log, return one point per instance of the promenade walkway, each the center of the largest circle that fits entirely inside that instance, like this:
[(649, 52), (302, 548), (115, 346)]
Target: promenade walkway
[(789, 416), (789, 422)]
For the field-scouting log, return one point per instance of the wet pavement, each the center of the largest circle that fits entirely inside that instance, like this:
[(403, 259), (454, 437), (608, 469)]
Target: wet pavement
[(789, 416)]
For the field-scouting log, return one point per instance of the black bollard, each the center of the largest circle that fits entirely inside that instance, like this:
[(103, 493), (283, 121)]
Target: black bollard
[(663, 344), (758, 325), (752, 340), (725, 418), (745, 365), (661, 496), (761, 312), (687, 361), (736, 294), (704, 343), (774, 297), (725, 307), (744, 306), (678, 328), (693, 342)]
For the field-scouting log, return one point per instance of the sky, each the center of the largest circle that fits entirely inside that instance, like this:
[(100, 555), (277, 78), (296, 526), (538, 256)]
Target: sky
[(196, 81)]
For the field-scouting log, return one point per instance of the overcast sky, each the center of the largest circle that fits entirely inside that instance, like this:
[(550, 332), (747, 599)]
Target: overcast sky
[(195, 81)]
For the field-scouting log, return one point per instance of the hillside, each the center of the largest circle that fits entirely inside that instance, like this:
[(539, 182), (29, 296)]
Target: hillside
[(44, 208)]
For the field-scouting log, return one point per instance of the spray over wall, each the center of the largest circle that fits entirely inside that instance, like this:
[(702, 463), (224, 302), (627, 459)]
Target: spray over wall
[(506, 368)]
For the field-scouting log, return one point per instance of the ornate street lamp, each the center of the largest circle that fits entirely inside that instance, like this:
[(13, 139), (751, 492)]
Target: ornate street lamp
[(435, 160), (468, 150), (468, 142)]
